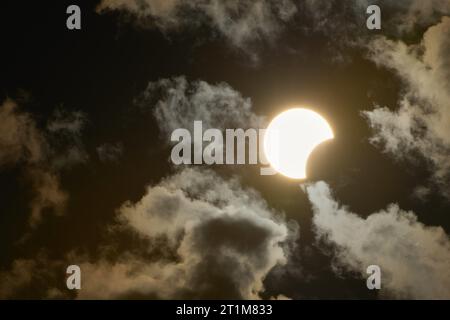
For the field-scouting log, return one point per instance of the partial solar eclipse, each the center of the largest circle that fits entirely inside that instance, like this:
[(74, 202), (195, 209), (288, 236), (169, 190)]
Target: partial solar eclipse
[(290, 139)]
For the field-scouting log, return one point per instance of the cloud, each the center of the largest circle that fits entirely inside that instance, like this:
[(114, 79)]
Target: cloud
[(246, 24), (414, 258), (64, 121), (200, 235), (177, 103), (213, 239), (20, 140), (34, 279), (19, 276), (421, 124), (241, 23), (41, 152), (413, 13), (48, 194), (398, 17), (64, 130), (110, 152), (218, 241)]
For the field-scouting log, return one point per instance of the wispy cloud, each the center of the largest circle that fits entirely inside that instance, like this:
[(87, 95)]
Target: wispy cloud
[(110, 152), (42, 152), (421, 124), (177, 103), (241, 23)]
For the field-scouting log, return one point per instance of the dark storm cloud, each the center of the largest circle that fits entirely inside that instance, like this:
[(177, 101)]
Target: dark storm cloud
[(241, 23), (421, 123), (39, 151), (414, 258), (224, 240)]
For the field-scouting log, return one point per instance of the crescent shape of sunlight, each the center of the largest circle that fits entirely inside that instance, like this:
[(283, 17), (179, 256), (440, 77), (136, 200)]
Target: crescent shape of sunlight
[(290, 139)]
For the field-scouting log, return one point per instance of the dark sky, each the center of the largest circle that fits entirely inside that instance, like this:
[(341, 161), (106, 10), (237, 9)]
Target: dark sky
[(100, 72)]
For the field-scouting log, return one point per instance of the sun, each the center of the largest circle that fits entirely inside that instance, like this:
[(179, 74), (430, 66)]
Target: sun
[(290, 139)]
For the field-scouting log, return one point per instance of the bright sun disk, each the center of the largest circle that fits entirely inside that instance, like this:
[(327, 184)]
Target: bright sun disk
[(290, 139)]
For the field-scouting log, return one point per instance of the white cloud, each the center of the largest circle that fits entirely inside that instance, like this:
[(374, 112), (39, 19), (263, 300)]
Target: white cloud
[(414, 258), (177, 103), (219, 240), (200, 236), (421, 124)]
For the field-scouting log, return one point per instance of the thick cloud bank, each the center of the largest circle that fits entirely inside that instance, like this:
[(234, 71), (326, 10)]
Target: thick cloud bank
[(414, 258)]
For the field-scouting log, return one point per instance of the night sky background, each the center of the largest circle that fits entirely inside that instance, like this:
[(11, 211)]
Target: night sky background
[(86, 95)]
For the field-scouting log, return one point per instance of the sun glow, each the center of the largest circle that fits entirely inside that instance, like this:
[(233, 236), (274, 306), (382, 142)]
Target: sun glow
[(290, 139)]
